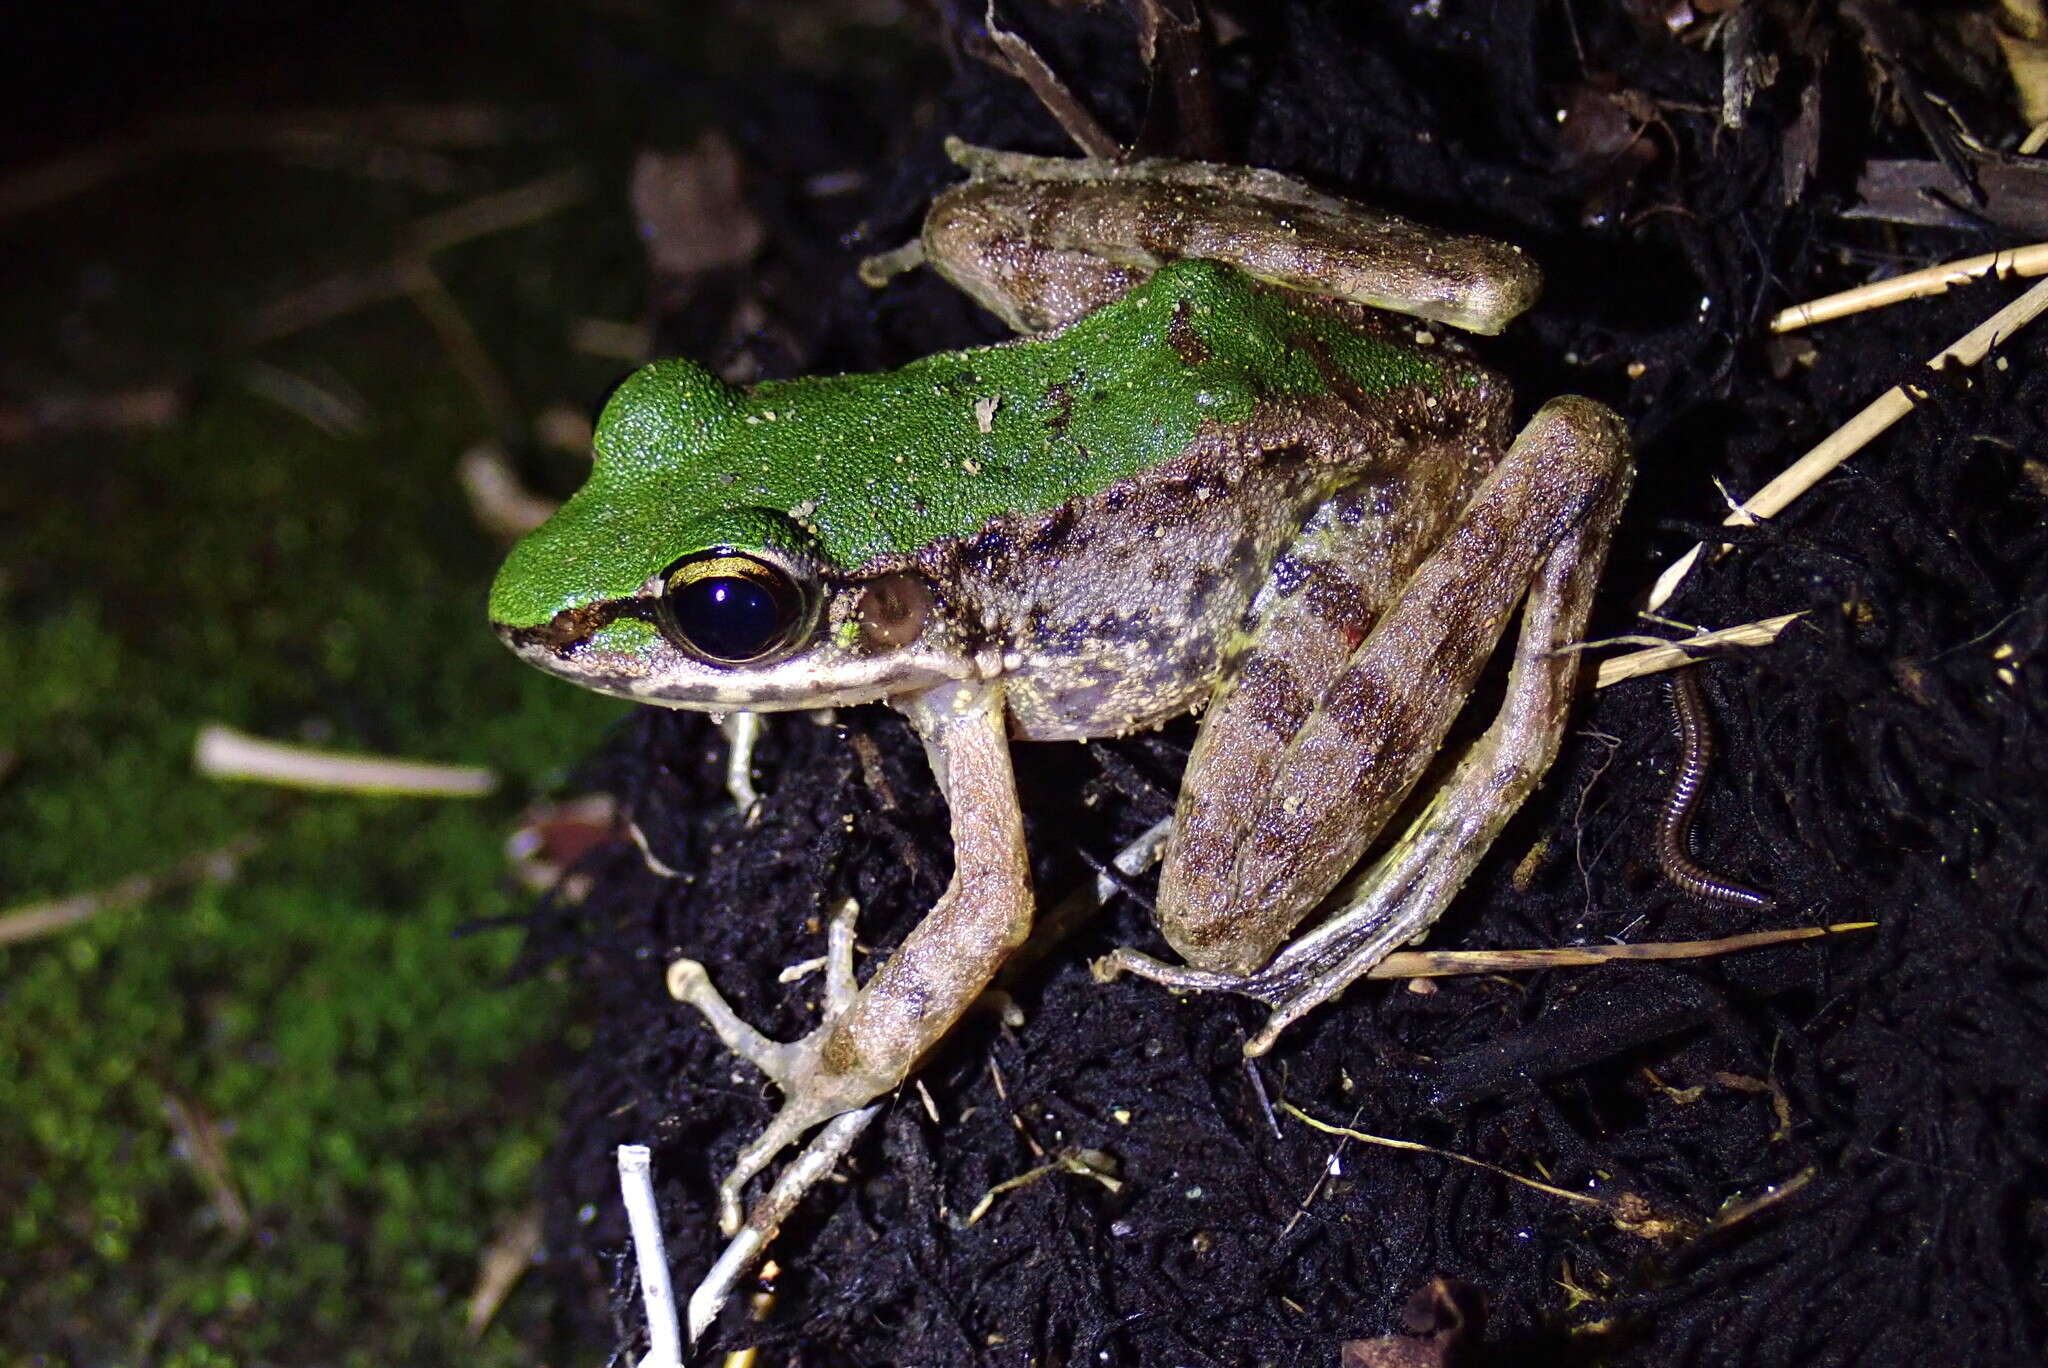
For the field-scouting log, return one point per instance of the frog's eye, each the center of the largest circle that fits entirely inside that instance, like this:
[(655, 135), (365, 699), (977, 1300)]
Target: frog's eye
[(729, 608)]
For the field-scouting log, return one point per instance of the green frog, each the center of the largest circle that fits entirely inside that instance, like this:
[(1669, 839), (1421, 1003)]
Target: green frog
[(1239, 464)]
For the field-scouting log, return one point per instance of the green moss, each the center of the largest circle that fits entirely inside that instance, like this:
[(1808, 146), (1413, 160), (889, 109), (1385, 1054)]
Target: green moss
[(354, 1057)]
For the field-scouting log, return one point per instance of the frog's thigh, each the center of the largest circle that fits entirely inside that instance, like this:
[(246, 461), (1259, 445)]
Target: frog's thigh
[(1041, 241), (989, 241), (1257, 846)]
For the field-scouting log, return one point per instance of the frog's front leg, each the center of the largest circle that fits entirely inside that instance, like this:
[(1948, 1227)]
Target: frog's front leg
[(742, 734), (873, 1036), (1288, 788)]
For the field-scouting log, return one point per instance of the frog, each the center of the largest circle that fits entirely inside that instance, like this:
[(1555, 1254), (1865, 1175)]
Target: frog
[(1239, 461)]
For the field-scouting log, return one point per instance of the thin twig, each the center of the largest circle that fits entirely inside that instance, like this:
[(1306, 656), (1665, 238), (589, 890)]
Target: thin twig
[(452, 327), (28, 921), (339, 295), (503, 1263), (501, 505), (1027, 66), (1674, 654), (1081, 1163), (1449, 963), (147, 409), (287, 132), (200, 1139), (1251, 1069), (1067, 916), (541, 198), (2013, 261), (1737, 1212), (1331, 1128), (1845, 441)]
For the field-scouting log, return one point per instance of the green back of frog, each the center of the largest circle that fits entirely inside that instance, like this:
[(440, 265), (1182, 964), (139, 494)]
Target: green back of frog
[(860, 469)]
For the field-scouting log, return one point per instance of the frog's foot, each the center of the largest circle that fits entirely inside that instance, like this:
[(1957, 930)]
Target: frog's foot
[(1370, 925), (1391, 902), (789, 1064)]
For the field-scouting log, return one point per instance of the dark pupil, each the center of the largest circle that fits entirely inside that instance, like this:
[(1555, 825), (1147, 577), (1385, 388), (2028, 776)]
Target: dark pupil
[(728, 617)]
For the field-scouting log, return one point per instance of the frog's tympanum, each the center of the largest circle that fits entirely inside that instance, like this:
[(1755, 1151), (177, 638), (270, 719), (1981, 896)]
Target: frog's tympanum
[(1232, 468)]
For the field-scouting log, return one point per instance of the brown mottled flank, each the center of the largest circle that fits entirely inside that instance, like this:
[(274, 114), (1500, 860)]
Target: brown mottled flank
[(1152, 619), (1186, 342), (1266, 831)]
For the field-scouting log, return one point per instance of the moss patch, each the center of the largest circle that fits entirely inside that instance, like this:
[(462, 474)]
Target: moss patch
[(377, 1089)]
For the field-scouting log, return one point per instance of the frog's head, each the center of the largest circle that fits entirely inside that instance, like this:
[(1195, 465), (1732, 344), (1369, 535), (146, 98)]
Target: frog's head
[(656, 583)]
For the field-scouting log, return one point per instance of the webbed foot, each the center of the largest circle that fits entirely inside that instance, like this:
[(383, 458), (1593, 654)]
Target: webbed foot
[(872, 1036), (794, 1066)]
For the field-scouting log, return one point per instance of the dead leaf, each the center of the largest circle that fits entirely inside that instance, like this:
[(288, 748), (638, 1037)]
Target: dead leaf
[(1438, 1318), (691, 212)]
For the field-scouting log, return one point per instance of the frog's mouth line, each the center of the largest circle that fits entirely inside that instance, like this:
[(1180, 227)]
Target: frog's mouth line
[(573, 627)]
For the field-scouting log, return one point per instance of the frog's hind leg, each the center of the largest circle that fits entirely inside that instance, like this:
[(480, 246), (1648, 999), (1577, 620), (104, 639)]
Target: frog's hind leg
[(1539, 522), (1043, 241)]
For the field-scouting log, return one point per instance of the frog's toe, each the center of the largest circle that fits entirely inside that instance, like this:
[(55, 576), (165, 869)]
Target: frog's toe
[(841, 988), (689, 983), (815, 1086), (1280, 986), (784, 1130), (1176, 976)]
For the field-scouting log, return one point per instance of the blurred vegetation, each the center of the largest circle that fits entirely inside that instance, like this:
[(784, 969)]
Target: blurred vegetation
[(379, 1090), (293, 556)]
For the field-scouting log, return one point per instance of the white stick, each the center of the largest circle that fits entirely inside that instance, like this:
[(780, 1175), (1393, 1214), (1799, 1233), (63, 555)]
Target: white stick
[(1135, 858), (636, 1185), (1846, 440), (805, 1172), (224, 753)]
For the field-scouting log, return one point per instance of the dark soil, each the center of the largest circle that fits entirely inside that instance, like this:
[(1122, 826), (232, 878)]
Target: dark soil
[(1883, 761)]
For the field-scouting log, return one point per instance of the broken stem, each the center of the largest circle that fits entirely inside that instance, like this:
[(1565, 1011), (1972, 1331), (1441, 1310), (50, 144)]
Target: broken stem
[(1027, 66), (636, 1187), (1671, 655), (1449, 963), (1845, 441), (805, 1172)]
